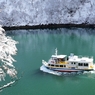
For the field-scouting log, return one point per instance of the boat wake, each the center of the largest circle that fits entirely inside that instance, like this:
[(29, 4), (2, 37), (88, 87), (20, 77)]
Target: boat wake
[(44, 69)]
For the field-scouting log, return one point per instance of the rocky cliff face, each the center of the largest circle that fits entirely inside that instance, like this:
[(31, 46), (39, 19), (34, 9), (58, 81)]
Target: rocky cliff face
[(37, 12)]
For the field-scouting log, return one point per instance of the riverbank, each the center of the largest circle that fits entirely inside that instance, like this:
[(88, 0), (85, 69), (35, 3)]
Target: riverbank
[(49, 26)]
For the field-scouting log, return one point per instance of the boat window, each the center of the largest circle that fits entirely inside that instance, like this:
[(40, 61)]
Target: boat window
[(80, 64), (63, 59), (56, 61), (57, 65), (48, 64), (64, 65), (67, 58), (85, 64), (73, 63), (61, 65), (52, 65)]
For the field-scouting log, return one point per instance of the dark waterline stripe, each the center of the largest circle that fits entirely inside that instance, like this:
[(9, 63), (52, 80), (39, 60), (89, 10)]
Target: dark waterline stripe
[(49, 26)]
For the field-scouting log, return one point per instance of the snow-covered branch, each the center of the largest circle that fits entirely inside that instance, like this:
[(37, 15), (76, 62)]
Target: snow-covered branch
[(7, 50)]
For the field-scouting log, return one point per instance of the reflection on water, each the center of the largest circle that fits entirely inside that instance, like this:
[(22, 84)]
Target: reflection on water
[(77, 40)]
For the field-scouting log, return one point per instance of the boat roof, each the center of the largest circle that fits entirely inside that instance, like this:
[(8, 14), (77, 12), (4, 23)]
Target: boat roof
[(58, 56), (78, 59)]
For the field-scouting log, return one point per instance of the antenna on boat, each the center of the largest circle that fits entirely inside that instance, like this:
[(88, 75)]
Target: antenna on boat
[(56, 51)]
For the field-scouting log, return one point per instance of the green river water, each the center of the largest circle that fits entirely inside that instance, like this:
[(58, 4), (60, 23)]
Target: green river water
[(35, 45)]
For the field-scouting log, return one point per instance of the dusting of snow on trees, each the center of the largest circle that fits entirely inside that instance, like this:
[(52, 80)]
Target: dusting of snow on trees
[(7, 50), (36, 12)]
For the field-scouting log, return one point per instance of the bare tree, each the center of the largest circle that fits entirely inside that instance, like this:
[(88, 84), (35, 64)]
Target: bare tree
[(7, 50)]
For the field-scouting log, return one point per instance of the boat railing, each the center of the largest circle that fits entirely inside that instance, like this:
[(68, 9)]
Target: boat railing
[(80, 56)]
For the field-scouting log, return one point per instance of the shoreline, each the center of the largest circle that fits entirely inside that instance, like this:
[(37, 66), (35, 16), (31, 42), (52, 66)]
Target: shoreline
[(49, 26)]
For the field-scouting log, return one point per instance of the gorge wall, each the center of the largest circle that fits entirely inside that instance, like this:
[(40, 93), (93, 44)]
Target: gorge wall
[(43, 12)]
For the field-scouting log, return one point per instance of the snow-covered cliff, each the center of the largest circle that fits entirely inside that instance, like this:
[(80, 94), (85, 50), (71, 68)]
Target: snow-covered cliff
[(36, 12)]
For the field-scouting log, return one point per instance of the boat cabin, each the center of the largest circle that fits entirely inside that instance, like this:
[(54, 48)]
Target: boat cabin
[(59, 59), (72, 61)]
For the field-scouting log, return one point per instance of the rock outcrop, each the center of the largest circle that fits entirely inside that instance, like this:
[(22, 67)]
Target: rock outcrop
[(44, 12)]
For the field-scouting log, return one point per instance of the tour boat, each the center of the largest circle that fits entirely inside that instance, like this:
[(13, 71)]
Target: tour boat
[(72, 63)]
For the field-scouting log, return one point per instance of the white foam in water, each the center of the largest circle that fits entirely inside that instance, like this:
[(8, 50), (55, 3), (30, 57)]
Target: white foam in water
[(44, 69)]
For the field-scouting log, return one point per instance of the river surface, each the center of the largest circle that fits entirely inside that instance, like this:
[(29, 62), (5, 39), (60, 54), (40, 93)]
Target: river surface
[(35, 45)]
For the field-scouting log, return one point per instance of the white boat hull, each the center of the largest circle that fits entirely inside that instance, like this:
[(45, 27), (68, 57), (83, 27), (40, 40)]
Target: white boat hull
[(64, 69), (68, 70)]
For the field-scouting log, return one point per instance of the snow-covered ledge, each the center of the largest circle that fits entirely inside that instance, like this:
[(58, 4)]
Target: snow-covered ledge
[(44, 12)]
